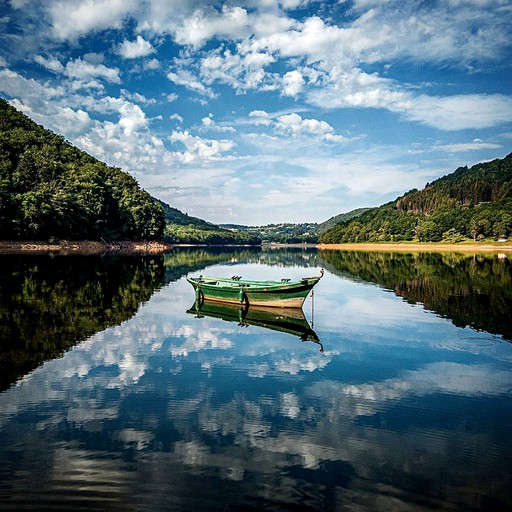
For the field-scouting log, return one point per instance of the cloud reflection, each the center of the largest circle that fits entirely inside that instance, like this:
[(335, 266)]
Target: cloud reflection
[(268, 412)]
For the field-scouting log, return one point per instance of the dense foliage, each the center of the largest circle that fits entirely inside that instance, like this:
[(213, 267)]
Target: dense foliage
[(51, 189), (474, 203)]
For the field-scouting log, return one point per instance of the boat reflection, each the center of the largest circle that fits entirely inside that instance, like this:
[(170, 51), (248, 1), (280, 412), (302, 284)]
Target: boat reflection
[(287, 320)]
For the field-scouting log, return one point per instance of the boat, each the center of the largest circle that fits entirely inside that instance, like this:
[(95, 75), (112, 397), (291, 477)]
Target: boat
[(284, 294), (287, 320)]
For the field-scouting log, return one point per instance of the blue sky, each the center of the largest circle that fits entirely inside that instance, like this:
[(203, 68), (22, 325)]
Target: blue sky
[(257, 112)]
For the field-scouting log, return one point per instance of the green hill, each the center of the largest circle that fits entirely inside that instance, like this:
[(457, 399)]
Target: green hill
[(50, 189), (471, 203), (342, 217), (178, 218)]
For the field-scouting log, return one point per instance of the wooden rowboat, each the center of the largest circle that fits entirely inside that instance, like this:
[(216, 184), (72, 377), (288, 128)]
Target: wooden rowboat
[(283, 294)]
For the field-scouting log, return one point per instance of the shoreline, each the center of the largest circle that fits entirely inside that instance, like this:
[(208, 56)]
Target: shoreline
[(419, 247), (83, 247), (159, 247)]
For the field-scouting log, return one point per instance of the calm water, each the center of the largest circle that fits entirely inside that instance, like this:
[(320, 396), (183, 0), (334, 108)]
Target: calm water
[(393, 392)]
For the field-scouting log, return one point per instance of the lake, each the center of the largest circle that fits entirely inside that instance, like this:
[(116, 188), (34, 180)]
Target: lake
[(390, 390)]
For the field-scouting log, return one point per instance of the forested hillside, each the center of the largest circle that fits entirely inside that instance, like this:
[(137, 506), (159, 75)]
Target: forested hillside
[(50, 189), (342, 217), (474, 203)]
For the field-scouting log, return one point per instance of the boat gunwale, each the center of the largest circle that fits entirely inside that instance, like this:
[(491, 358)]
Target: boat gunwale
[(230, 283), (286, 294)]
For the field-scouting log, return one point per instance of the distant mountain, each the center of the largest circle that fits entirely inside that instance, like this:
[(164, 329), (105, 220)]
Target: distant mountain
[(181, 228), (474, 203), (306, 232), (284, 233)]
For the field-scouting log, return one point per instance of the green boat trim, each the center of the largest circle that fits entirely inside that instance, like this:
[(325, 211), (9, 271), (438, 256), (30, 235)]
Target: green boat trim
[(283, 294), (287, 320)]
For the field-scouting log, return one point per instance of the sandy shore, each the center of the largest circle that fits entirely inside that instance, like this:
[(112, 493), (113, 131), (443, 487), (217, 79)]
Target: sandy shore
[(415, 247), (83, 247)]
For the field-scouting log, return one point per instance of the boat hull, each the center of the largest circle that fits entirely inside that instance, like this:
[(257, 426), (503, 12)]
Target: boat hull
[(254, 293)]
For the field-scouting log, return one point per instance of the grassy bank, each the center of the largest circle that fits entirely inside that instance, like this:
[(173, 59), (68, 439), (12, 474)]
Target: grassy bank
[(416, 247)]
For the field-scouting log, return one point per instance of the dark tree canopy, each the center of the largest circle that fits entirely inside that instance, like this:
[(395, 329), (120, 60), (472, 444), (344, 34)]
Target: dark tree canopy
[(51, 189)]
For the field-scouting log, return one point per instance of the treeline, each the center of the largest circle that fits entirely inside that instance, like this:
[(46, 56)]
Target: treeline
[(474, 203), (285, 233), (50, 189)]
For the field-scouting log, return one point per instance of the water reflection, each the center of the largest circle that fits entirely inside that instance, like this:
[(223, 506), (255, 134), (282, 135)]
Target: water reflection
[(471, 290), (163, 411), (47, 303), (291, 321)]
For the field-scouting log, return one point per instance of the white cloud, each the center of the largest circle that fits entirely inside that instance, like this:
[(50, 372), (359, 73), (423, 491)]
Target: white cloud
[(52, 64), (441, 377), (94, 57), (43, 104), (176, 117), (198, 149), (474, 145), (71, 18), (295, 125), (132, 118), (260, 117), (135, 96), (355, 88), (208, 121), (12, 84), (151, 64), (187, 79), (83, 70), (138, 48), (231, 22), (293, 83), (79, 69), (457, 112), (461, 111), (242, 71)]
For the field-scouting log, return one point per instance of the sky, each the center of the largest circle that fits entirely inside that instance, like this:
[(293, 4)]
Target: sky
[(257, 112)]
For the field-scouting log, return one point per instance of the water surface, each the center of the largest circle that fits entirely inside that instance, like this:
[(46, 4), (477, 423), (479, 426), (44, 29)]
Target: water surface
[(116, 394)]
